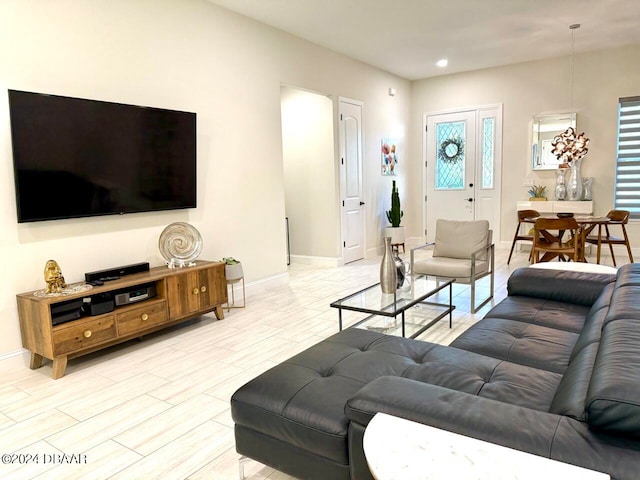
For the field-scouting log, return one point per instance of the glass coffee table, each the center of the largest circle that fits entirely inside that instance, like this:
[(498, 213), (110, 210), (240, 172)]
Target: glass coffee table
[(373, 302)]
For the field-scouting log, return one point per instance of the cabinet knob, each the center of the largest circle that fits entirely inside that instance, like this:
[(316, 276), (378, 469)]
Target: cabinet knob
[(87, 333), (196, 291), (203, 288), (145, 317)]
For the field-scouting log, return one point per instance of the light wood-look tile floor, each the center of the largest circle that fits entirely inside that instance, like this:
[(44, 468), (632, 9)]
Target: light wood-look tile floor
[(159, 408)]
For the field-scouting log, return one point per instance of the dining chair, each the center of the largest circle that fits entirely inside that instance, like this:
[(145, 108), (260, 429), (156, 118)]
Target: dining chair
[(522, 214), (462, 250), (548, 236), (616, 217)]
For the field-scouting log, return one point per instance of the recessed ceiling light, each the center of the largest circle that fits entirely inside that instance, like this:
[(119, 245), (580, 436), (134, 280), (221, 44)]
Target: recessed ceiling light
[(442, 63)]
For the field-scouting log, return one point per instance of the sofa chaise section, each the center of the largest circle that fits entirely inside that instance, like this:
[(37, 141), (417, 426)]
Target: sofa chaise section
[(559, 380)]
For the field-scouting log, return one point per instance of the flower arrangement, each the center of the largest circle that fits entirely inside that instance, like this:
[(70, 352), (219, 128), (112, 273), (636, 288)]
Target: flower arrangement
[(538, 191), (568, 146)]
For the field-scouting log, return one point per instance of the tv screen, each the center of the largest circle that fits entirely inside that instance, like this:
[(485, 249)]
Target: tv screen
[(77, 158)]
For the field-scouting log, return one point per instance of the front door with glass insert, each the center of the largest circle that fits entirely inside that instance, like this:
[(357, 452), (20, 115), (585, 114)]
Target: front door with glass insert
[(463, 167)]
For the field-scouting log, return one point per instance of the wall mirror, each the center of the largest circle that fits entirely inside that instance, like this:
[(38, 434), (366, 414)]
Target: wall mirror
[(545, 128)]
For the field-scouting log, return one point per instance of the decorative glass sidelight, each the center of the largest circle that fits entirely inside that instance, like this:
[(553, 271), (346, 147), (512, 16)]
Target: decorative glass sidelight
[(450, 158), (488, 159)]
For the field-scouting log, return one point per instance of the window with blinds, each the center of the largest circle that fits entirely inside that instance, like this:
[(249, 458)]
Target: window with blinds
[(628, 160)]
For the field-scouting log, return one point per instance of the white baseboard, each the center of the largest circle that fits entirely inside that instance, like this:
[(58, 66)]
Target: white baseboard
[(259, 286), (8, 355), (319, 261), (504, 245), (17, 358)]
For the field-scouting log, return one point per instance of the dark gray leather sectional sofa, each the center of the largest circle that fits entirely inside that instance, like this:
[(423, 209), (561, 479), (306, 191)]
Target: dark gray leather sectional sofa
[(554, 370)]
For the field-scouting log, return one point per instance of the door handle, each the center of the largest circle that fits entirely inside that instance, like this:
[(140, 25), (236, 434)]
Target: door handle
[(361, 203), (469, 199), (471, 184)]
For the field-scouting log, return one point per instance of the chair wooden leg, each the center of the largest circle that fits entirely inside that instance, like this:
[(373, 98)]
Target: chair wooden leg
[(627, 244), (629, 251), (613, 257), (513, 244)]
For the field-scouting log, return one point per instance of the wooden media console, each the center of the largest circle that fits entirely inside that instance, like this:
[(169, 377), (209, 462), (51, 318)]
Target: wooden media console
[(181, 294)]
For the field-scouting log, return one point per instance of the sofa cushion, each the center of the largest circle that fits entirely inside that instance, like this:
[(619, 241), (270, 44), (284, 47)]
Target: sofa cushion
[(538, 311), (571, 395), (570, 398), (519, 342), (624, 303), (592, 329), (486, 377), (613, 399), (449, 267), (558, 285)]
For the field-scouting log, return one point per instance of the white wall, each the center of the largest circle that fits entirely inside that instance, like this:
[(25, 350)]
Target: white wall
[(189, 55), (528, 89), (310, 173)]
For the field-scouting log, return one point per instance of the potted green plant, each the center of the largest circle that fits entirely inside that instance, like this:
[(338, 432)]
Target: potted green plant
[(538, 193), (395, 231), (233, 269)]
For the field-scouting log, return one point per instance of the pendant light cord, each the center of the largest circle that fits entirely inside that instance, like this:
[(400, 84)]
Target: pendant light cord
[(573, 29)]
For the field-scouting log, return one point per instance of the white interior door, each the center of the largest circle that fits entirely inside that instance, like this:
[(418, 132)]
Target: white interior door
[(463, 167), (352, 204)]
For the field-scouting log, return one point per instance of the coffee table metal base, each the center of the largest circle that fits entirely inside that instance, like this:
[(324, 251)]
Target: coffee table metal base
[(398, 307)]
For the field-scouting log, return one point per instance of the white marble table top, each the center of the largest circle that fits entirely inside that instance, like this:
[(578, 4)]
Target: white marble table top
[(576, 267), (399, 449)]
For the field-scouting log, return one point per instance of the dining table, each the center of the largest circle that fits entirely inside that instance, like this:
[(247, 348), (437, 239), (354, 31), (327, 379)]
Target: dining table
[(587, 224)]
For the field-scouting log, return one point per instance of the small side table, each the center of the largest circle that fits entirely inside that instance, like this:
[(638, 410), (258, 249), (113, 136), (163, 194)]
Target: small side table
[(397, 448), (234, 274), (233, 296)]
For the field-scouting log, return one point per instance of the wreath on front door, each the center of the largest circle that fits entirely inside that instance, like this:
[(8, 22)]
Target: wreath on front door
[(451, 150)]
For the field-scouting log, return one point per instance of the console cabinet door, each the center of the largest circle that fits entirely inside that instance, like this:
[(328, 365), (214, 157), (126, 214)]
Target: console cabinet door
[(183, 291), (199, 290), (213, 287)]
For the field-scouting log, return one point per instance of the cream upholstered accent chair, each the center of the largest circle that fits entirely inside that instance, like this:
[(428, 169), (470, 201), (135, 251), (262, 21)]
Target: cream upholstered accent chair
[(462, 251)]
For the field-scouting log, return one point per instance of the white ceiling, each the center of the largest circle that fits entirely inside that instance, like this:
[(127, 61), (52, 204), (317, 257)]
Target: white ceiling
[(407, 37)]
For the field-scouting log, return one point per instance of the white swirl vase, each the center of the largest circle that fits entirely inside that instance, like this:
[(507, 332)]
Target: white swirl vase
[(180, 244)]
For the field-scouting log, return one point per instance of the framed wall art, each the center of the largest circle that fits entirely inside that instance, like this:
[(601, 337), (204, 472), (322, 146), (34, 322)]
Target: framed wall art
[(389, 157)]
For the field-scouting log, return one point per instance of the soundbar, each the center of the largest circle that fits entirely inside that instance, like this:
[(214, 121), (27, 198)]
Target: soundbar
[(115, 273)]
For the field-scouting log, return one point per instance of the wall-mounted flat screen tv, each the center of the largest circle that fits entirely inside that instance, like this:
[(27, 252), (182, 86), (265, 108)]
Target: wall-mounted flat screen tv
[(75, 157)]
